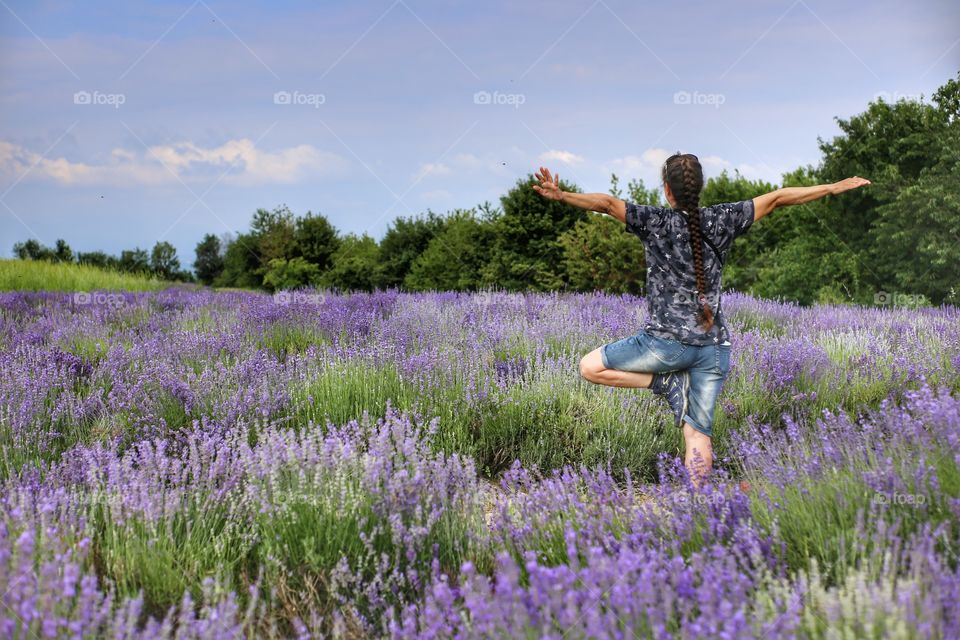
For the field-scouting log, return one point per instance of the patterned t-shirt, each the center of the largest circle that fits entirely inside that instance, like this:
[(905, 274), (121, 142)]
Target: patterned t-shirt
[(671, 279)]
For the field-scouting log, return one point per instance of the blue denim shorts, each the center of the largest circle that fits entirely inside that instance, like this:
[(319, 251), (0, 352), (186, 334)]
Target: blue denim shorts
[(708, 366)]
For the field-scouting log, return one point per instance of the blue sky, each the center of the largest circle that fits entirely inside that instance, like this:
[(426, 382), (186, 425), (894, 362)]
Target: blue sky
[(124, 123)]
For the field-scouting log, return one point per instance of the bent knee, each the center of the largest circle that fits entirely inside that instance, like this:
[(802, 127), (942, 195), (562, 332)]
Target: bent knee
[(591, 365), (585, 371)]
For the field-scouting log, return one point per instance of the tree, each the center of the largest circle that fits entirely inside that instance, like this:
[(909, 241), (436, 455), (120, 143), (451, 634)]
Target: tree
[(525, 253), (163, 260), (315, 240), (892, 145), (455, 256), (615, 189), (209, 262), (247, 257), (134, 261), (404, 240), (241, 263), (290, 274), (62, 252), (917, 232), (32, 250), (600, 255), (354, 265), (808, 269), (274, 232), (96, 259)]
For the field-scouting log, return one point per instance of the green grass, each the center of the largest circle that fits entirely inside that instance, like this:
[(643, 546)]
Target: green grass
[(817, 517), (38, 275), (529, 422), (284, 339), (164, 557), (304, 541)]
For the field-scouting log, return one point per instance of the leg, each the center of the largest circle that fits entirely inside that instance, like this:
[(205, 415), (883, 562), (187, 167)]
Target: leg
[(592, 369), (633, 361), (706, 381), (699, 454)]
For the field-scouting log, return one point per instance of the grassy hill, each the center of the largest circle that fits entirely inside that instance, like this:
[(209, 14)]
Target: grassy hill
[(35, 275)]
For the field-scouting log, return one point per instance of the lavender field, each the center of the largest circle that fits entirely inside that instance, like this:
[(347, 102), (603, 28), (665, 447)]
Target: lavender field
[(199, 464)]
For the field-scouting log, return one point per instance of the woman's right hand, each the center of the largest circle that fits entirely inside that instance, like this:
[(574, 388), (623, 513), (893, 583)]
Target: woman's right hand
[(549, 186)]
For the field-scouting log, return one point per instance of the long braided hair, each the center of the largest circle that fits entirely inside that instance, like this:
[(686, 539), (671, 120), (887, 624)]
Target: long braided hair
[(685, 176)]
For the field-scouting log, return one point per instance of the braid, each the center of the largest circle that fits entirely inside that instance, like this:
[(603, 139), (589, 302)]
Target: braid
[(685, 177)]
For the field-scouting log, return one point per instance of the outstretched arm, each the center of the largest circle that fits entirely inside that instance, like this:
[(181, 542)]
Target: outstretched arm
[(762, 205), (549, 187)]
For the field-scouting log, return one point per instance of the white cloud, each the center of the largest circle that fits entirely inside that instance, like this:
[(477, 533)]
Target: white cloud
[(431, 168), (495, 163), (647, 167), (713, 165), (439, 194), (468, 160), (647, 163), (566, 157), (246, 164)]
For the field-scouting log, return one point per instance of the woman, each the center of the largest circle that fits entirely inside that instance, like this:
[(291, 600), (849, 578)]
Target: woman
[(683, 352)]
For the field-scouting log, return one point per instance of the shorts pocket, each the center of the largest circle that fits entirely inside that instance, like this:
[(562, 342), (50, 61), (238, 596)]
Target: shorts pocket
[(665, 350), (722, 359)]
